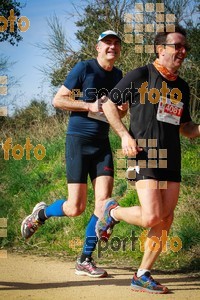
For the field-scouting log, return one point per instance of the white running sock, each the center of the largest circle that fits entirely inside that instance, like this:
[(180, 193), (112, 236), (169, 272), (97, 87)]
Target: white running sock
[(112, 215), (141, 272)]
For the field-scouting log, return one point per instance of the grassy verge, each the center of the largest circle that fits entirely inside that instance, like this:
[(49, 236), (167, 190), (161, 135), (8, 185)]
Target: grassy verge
[(26, 182)]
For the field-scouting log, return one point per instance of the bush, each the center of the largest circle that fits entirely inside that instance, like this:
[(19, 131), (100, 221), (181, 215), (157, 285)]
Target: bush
[(23, 183)]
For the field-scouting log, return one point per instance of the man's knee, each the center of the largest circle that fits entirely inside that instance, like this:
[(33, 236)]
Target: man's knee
[(151, 220), (72, 210), (75, 212), (154, 219), (169, 219)]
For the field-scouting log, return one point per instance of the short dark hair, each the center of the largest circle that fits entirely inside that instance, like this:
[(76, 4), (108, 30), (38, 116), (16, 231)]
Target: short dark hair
[(161, 37)]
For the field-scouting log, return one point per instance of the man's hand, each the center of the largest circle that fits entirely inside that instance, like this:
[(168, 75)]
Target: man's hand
[(190, 129), (97, 105), (122, 109), (129, 146)]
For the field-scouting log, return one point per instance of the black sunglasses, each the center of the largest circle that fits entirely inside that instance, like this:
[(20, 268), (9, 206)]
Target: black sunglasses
[(179, 46)]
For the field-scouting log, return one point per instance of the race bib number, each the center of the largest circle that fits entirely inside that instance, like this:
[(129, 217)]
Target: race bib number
[(98, 116), (169, 112)]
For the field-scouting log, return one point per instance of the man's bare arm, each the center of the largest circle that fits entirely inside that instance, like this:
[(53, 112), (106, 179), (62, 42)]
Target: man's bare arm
[(64, 100), (129, 145), (190, 129)]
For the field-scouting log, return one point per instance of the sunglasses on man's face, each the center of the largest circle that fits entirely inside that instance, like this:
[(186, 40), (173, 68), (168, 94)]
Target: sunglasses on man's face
[(178, 46)]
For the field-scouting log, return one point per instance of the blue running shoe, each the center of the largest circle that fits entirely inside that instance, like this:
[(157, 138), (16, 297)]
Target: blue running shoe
[(146, 283), (104, 225)]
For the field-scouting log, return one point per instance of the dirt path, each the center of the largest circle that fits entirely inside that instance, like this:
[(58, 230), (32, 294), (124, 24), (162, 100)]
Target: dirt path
[(41, 278)]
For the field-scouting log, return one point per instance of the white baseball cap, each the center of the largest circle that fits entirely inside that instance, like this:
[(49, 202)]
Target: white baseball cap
[(106, 33)]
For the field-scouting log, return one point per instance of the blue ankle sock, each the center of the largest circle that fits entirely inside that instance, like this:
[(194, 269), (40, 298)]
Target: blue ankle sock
[(55, 209), (90, 237)]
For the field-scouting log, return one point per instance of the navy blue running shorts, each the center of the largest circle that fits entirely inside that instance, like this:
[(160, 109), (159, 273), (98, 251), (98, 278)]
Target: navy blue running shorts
[(87, 156)]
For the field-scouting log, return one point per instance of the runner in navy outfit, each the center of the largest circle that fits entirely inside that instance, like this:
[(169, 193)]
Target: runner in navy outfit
[(88, 150)]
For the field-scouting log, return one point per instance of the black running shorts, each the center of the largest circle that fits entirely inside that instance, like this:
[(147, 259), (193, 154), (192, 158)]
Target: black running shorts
[(163, 175)]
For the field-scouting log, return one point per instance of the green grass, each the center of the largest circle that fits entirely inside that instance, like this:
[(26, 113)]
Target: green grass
[(24, 183)]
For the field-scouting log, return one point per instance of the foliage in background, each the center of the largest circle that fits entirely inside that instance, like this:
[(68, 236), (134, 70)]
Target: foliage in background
[(94, 17), (23, 183), (12, 37)]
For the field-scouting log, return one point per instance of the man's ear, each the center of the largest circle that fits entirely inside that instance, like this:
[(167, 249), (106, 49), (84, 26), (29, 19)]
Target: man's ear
[(160, 49), (97, 47)]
